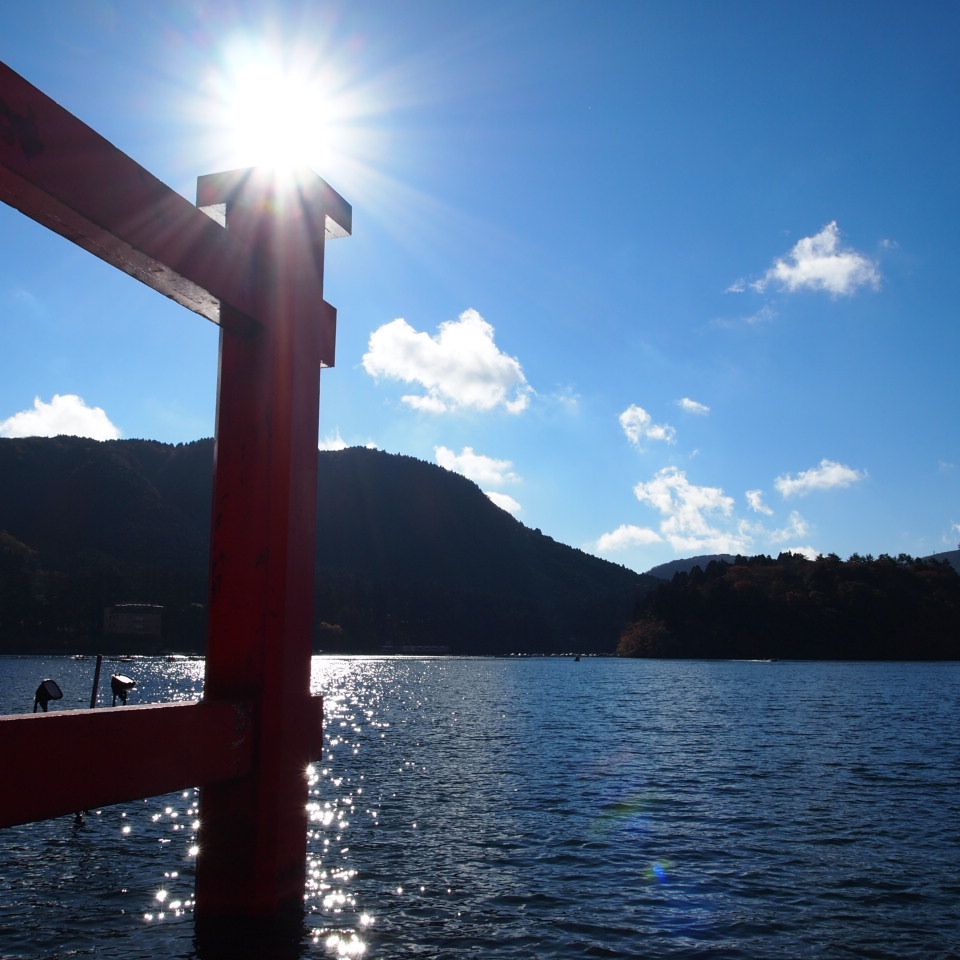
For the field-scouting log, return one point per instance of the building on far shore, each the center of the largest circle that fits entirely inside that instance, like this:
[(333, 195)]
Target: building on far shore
[(133, 620), (434, 649)]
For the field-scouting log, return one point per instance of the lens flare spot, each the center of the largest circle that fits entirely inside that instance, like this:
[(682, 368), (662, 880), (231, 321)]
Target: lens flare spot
[(627, 814), (658, 871)]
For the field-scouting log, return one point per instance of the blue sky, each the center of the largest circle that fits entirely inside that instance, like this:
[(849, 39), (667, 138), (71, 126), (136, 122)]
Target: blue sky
[(664, 278)]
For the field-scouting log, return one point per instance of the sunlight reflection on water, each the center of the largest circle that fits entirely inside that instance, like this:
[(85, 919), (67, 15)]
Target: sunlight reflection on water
[(537, 808), (667, 807)]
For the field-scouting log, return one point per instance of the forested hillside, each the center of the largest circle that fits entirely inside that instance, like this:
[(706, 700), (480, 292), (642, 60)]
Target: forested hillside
[(407, 553), (791, 607)]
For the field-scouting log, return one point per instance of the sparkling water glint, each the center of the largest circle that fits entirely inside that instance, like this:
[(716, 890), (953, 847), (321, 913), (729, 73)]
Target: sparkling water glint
[(528, 808)]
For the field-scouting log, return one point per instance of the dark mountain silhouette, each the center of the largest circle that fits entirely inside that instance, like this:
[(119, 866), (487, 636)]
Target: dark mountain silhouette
[(408, 553)]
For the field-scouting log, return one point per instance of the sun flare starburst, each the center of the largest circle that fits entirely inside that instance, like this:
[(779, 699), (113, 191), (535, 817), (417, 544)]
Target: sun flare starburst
[(270, 107)]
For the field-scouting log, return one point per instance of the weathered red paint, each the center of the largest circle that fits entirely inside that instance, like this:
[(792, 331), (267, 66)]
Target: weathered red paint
[(250, 741)]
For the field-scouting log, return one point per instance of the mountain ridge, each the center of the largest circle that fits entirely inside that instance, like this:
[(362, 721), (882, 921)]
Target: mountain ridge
[(407, 553)]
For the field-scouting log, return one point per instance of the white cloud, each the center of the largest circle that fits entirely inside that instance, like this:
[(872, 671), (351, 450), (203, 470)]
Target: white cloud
[(638, 425), (765, 314), (567, 399), (65, 414), (811, 553), (691, 406), (673, 494), (819, 263), (626, 536), (700, 519), (690, 513), (827, 476), (755, 499), (476, 467), (796, 527), (460, 368), (335, 442), (504, 502)]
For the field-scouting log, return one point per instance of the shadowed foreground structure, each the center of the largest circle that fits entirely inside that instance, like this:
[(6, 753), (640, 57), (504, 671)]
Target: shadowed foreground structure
[(260, 277)]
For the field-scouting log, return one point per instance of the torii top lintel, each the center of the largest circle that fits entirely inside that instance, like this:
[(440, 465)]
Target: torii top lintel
[(61, 173)]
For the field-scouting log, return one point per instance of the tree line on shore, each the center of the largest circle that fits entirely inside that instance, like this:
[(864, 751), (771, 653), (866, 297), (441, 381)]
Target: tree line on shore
[(791, 607)]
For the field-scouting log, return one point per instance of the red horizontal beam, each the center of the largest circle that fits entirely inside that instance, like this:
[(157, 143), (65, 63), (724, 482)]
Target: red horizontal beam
[(61, 763), (61, 173)]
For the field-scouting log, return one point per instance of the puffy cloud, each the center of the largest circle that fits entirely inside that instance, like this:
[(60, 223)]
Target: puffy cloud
[(811, 553), (638, 425), (691, 406), (460, 368), (336, 442), (755, 499), (673, 494), (819, 263), (690, 512), (65, 414), (626, 536), (476, 467), (504, 502), (700, 519), (827, 476), (796, 527)]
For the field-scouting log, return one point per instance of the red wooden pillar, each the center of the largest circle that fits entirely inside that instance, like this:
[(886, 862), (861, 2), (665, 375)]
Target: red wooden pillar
[(252, 847), (248, 745)]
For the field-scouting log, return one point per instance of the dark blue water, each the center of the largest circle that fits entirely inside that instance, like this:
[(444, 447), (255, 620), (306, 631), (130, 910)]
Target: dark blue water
[(550, 808)]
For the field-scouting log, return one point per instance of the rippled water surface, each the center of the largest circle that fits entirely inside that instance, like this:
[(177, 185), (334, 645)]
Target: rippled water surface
[(549, 808)]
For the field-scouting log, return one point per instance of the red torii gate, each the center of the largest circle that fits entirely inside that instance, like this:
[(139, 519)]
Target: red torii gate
[(249, 741)]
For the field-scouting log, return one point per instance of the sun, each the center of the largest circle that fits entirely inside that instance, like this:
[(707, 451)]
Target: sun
[(312, 97), (269, 107)]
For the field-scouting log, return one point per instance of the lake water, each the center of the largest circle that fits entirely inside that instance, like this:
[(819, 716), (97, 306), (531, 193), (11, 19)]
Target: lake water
[(546, 808)]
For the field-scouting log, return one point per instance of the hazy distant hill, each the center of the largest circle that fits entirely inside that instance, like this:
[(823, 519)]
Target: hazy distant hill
[(408, 553), (665, 571), (951, 556)]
